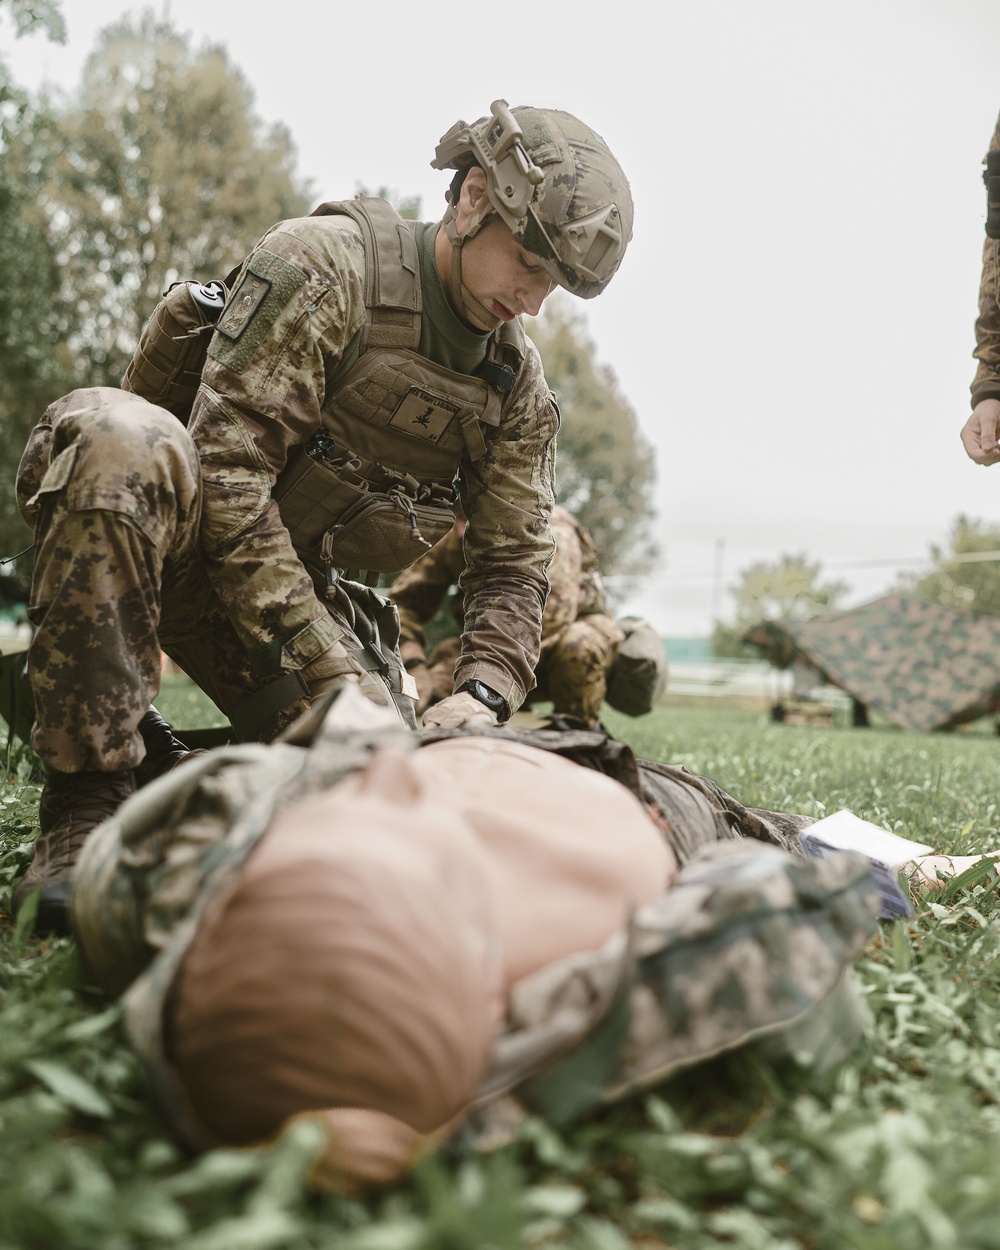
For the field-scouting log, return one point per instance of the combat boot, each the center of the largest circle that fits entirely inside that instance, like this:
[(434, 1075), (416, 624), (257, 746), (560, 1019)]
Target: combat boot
[(164, 750), (72, 805)]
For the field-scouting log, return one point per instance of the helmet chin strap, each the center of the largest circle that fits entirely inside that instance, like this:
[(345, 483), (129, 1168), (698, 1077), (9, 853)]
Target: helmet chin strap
[(459, 290)]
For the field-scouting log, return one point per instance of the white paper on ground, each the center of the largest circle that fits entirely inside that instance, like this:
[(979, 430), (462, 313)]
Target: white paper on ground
[(843, 831)]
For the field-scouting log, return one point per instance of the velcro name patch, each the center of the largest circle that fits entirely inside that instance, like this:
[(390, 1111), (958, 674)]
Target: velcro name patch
[(266, 288), (423, 414)]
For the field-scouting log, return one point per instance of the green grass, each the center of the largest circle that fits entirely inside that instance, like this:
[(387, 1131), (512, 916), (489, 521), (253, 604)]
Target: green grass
[(184, 705), (898, 1148)]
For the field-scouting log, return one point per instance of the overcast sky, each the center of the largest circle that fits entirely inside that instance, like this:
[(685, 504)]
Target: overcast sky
[(794, 319)]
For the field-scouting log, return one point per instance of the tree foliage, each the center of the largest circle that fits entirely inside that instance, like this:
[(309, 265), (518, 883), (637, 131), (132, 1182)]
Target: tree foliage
[(605, 467), (160, 171), (965, 585), (156, 169), (33, 364), (408, 206), (788, 589), (31, 15)]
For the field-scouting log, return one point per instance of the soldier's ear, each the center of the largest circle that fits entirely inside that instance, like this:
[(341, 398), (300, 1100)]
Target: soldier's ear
[(472, 197)]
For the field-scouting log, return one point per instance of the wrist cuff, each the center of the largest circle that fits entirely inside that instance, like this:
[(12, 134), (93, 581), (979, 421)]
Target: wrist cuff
[(986, 390)]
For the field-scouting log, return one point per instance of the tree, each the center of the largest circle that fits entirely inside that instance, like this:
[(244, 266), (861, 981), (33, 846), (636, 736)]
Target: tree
[(965, 585), (33, 365), (28, 16), (407, 206), (157, 170), (160, 170), (605, 467), (788, 589)]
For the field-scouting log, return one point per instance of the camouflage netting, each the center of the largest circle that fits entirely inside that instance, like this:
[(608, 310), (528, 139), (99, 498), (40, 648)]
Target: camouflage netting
[(923, 666)]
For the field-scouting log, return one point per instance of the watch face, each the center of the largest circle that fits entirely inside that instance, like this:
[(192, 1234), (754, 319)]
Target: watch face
[(489, 698)]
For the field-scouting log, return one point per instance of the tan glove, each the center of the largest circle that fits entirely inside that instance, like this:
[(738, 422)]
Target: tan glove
[(458, 710), (331, 669)]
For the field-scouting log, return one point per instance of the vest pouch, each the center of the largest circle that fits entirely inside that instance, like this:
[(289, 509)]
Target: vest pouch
[(315, 493), (385, 532), (167, 363)]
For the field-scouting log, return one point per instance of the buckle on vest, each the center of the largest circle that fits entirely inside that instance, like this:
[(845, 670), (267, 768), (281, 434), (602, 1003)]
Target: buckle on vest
[(501, 377)]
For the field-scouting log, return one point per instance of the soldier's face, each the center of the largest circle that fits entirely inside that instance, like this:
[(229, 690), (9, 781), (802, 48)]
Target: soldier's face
[(506, 278)]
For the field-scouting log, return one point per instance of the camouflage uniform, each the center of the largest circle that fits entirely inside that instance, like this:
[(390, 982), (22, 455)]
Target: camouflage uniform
[(751, 939), (580, 639), (986, 383), (151, 535)]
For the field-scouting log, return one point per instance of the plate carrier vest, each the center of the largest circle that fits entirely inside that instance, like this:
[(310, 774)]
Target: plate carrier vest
[(376, 486)]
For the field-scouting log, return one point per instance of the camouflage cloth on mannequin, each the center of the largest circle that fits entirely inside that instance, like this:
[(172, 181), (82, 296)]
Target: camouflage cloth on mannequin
[(986, 383), (751, 940), (580, 639)]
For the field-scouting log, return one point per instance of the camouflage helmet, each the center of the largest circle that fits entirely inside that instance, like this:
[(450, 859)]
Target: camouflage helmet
[(555, 183)]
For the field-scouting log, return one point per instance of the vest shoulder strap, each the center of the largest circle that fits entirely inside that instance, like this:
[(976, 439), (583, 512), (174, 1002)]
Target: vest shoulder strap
[(393, 303), (392, 272), (508, 344)]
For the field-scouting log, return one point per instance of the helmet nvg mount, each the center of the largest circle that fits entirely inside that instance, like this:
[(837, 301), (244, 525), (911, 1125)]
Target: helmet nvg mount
[(554, 182)]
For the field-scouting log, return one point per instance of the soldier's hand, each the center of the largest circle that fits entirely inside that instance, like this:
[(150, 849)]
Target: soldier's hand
[(979, 434), (458, 710), (331, 669)]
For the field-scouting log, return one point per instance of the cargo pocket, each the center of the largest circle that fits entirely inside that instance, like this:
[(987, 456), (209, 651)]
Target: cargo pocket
[(55, 478), (236, 482)]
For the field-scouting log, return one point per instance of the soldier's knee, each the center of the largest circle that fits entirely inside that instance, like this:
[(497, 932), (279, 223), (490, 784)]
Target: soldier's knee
[(112, 451), (123, 441), (104, 420), (581, 644)]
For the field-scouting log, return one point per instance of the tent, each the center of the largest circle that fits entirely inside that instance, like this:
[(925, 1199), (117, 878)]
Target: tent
[(923, 666)]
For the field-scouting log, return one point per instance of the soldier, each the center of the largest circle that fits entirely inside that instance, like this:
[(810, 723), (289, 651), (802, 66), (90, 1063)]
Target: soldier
[(580, 639), (365, 375), (980, 432)]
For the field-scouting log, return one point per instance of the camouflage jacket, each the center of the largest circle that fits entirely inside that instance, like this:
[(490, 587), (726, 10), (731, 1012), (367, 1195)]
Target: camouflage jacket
[(986, 383), (575, 585), (750, 940), (257, 405)]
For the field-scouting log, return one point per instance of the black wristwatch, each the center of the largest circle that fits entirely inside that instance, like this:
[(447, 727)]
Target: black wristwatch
[(488, 698)]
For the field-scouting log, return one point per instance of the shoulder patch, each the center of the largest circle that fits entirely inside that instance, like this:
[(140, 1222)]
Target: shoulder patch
[(268, 284)]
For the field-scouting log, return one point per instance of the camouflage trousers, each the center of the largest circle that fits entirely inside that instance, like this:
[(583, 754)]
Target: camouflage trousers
[(113, 487), (573, 667), (571, 674)]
